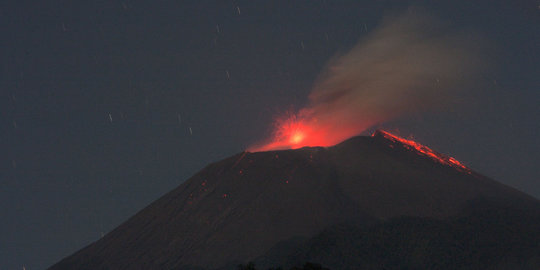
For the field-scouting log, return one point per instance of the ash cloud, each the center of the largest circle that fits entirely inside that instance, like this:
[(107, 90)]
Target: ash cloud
[(410, 63)]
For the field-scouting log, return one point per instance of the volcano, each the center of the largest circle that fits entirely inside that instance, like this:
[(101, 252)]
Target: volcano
[(370, 202)]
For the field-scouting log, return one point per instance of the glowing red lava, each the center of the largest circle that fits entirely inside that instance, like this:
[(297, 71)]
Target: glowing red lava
[(424, 150), (292, 132), (295, 131)]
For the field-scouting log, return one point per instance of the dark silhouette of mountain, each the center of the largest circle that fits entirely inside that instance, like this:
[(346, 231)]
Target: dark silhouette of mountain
[(306, 266), (494, 236), (379, 202)]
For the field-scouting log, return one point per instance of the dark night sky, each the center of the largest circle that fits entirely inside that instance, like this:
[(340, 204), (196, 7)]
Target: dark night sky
[(68, 173)]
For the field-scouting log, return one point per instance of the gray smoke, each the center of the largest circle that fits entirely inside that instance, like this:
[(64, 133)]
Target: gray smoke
[(410, 63)]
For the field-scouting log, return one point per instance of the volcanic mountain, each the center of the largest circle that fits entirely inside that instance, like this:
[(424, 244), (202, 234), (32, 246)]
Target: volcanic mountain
[(371, 202)]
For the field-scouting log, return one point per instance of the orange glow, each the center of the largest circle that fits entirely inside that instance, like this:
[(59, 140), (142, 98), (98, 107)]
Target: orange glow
[(293, 132), (423, 150), (297, 137)]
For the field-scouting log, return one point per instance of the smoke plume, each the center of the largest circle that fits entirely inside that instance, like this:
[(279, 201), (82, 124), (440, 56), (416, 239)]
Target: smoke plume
[(408, 64)]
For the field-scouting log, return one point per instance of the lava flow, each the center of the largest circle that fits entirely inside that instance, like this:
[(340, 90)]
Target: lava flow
[(424, 150)]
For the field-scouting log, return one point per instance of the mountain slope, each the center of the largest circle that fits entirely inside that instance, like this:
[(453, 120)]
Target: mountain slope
[(489, 235), (239, 208)]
